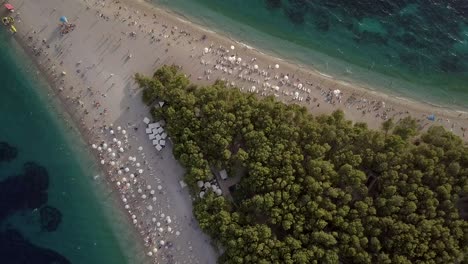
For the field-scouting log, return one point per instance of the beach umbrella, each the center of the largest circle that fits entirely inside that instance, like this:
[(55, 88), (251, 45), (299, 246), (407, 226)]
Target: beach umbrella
[(286, 77), (119, 128), (118, 183), (102, 162), (160, 230), (276, 66), (114, 140), (124, 132), (119, 143), (154, 220), (127, 206), (140, 171), (113, 154), (169, 221), (162, 243), (177, 233), (124, 179), (99, 148), (148, 187), (232, 47), (200, 184), (155, 250), (127, 169), (121, 149), (132, 176), (205, 50), (150, 253), (152, 192), (128, 185), (94, 146), (158, 224), (9, 7), (239, 60), (336, 92), (163, 215), (140, 190), (159, 187), (140, 148), (143, 196), (119, 172), (130, 158), (135, 221), (133, 216), (138, 164), (154, 198), (124, 200), (169, 229), (111, 132), (256, 67), (150, 207), (109, 150), (63, 19), (104, 146), (112, 163)]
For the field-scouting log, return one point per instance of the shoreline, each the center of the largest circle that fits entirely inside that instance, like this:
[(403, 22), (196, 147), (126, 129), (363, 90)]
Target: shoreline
[(95, 57), (72, 125), (75, 140), (415, 107), (69, 104), (355, 83)]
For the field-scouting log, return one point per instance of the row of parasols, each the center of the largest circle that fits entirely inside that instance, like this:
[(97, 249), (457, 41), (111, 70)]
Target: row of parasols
[(144, 193)]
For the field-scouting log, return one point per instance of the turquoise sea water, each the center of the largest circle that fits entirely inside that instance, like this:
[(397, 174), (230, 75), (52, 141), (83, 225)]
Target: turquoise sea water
[(82, 223), (417, 49)]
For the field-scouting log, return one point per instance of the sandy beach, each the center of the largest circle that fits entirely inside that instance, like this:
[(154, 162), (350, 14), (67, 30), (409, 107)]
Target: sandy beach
[(91, 70)]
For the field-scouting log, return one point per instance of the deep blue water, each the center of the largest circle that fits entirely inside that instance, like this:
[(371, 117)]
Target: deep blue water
[(52, 210), (416, 48)]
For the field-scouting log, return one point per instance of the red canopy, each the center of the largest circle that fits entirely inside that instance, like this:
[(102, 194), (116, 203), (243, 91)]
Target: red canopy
[(9, 7)]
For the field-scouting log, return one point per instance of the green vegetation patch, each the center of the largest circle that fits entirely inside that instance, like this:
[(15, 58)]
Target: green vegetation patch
[(314, 189)]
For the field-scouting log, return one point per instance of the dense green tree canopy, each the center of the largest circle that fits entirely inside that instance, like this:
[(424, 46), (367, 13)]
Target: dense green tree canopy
[(315, 189)]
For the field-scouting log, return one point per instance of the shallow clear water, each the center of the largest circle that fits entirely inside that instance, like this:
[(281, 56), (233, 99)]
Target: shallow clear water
[(417, 49), (91, 229)]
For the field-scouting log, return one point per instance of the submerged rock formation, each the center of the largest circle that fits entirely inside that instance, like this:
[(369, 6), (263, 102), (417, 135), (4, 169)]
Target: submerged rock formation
[(24, 191), (50, 218), (7, 152), (15, 249), (27, 190)]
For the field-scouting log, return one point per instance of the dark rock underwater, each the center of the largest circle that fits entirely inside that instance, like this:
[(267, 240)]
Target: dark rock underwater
[(25, 191)]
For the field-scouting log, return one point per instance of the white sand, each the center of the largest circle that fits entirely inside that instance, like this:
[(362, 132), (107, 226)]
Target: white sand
[(95, 57)]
